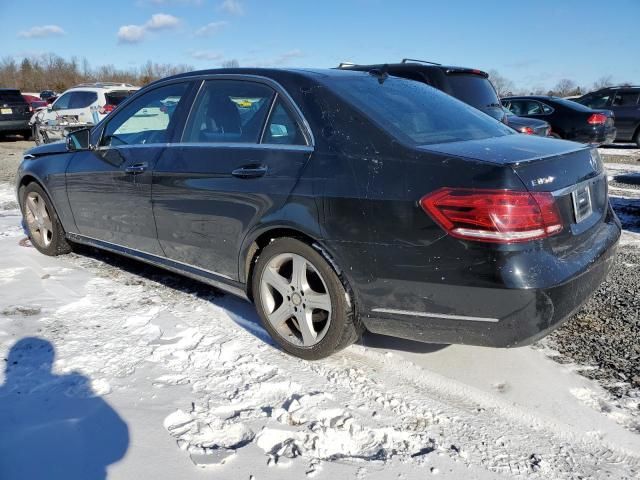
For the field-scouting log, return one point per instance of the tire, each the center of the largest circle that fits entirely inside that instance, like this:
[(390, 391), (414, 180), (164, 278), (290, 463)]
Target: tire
[(636, 139), (42, 223), (282, 301), (27, 134)]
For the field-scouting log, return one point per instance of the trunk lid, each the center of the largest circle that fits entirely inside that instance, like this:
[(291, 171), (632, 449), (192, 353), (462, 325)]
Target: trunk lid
[(572, 172)]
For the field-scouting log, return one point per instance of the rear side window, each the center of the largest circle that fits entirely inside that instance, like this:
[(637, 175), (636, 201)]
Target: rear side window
[(415, 112), (474, 90), (626, 99), (62, 103), (282, 129), (82, 99), (116, 97), (11, 96), (229, 111)]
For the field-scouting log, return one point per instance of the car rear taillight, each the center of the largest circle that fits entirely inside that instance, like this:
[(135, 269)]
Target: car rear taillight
[(597, 119), (527, 130), (107, 109), (498, 216)]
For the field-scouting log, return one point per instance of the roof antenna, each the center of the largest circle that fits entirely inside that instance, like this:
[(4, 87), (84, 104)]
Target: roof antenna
[(380, 73)]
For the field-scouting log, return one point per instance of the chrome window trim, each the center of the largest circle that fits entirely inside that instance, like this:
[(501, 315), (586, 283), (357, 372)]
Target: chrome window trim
[(257, 146), (268, 117)]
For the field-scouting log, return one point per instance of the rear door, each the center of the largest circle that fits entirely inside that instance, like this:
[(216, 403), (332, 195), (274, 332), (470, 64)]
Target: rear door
[(626, 108), (109, 188), (241, 155)]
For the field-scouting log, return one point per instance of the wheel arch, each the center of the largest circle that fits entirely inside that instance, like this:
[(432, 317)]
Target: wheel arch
[(253, 247)]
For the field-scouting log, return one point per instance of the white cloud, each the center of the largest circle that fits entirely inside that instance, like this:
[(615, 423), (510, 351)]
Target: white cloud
[(162, 21), (137, 33), (210, 29), (43, 31), (233, 7), (131, 33), (207, 55)]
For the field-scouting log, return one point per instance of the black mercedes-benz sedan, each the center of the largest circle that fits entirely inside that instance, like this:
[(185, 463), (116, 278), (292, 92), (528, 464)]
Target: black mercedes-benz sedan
[(568, 119), (336, 201)]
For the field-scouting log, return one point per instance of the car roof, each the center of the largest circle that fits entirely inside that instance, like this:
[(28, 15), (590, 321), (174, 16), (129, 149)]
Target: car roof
[(531, 97)]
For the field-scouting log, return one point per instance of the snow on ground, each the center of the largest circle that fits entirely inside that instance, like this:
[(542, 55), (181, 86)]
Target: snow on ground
[(113, 366)]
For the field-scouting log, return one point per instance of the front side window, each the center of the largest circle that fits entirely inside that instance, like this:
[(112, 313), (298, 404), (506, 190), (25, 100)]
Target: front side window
[(282, 128), (229, 111), (599, 100), (415, 112), (63, 102), (82, 99), (147, 119)]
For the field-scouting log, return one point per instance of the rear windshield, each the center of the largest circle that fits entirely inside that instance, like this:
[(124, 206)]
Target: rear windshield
[(117, 96), (571, 104), (415, 112), (11, 96), (474, 90)]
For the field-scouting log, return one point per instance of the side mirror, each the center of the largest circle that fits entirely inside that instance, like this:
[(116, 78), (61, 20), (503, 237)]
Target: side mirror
[(79, 140)]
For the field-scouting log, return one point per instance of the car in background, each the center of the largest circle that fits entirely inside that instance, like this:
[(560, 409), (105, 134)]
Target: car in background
[(625, 103), (77, 107), (48, 95), (528, 126), (15, 113), (336, 201), (36, 103), (569, 120), (470, 85)]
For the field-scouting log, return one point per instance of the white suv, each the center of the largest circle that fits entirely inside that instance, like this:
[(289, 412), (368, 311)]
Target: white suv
[(80, 106)]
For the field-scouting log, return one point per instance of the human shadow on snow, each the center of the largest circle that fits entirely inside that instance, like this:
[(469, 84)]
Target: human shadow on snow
[(53, 426)]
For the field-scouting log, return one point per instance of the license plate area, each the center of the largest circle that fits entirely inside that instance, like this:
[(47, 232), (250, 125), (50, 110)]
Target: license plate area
[(6, 111), (582, 206)]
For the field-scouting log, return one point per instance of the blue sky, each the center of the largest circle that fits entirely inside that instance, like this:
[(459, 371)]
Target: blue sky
[(534, 43)]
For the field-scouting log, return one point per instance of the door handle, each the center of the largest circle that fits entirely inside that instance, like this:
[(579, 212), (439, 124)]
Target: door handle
[(250, 171), (136, 168)]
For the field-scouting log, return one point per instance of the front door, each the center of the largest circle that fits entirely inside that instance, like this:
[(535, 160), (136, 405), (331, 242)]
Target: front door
[(109, 188), (241, 155)]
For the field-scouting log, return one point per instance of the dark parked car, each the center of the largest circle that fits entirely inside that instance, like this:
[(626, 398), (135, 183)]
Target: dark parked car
[(625, 104), (568, 119), (529, 126), (470, 85), (14, 113), (336, 203), (48, 95)]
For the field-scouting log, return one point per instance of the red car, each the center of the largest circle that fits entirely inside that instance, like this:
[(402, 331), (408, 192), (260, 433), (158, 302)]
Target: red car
[(35, 102)]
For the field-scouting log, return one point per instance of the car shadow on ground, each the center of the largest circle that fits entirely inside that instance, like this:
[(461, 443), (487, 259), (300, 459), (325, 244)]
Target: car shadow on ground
[(628, 211), (241, 312), (54, 426)]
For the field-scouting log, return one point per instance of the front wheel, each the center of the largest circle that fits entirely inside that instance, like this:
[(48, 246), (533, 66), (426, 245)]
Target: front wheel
[(301, 301), (43, 226)]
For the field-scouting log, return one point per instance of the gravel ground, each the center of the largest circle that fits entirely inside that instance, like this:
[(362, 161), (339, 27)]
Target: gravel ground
[(602, 339), (10, 157)]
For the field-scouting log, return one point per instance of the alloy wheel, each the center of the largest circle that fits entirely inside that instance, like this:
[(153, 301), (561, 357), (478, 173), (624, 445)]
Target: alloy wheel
[(38, 220), (295, 299)]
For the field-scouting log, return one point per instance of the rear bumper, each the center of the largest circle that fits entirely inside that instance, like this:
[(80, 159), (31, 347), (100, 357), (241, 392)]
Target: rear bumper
[(520, 308), (14, 125), (596, 135)]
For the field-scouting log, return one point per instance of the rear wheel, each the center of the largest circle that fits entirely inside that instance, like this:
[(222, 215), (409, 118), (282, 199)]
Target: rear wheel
[(636, 139), (43, 226), (26, 134), (301, 300)]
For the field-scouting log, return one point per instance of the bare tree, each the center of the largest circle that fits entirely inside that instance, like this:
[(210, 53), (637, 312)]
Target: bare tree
[(566, 87), (233, 63), (504, 87), (603, 82)]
